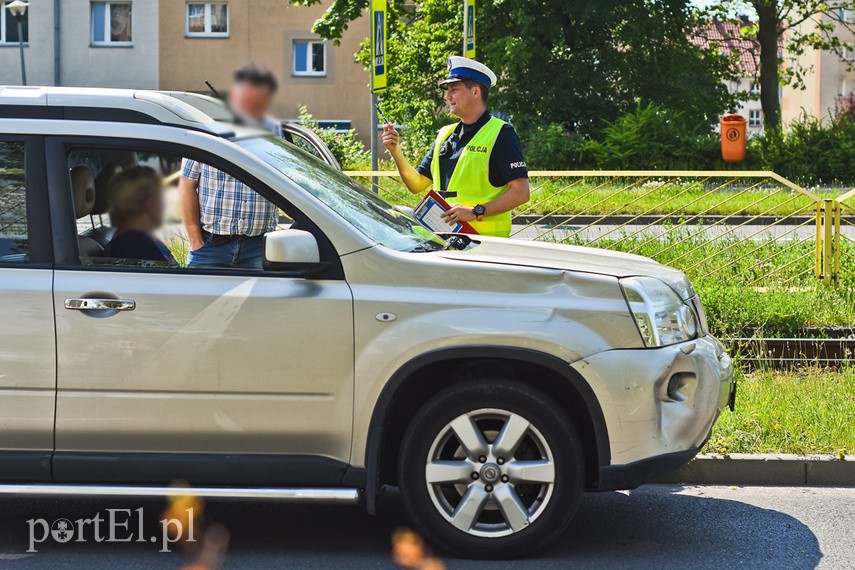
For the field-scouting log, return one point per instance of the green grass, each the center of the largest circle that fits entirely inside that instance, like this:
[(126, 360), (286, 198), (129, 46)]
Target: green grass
[(633, 196), (765, 287), (804, 412)]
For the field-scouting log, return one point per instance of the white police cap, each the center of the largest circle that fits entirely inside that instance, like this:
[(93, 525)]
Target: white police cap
[(460, 68)]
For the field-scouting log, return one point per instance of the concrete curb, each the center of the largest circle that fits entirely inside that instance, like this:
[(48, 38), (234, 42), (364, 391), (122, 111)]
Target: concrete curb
[(766, 469)]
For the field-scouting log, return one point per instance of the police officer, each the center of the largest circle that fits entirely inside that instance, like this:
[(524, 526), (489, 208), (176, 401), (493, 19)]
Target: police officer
[(477, 163)]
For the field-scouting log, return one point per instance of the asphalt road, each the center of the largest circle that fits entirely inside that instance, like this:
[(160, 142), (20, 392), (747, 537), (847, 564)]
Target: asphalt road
[(652, 527)]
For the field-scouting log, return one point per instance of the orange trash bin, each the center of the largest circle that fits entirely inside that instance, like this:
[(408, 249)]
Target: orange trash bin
[(733, 130)]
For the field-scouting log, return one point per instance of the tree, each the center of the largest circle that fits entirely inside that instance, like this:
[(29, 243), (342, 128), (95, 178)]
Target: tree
[(787, 27), (583, 63), (576, 63)]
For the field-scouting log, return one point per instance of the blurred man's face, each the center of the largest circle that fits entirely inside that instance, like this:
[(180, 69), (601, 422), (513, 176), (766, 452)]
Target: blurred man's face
[(250, 100)]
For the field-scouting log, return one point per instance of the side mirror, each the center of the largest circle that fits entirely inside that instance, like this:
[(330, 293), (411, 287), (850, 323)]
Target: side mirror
[(291, 250)]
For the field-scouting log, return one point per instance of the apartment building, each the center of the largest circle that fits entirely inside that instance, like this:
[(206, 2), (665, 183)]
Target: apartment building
[(83, 43), (202, 41), (829, 76), (179, 44)]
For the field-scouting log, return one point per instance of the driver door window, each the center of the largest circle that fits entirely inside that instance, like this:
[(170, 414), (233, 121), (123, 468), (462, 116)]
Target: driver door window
[(13, 204), (129, 209)]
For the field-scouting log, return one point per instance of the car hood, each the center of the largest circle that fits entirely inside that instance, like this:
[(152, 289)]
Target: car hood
[(526, 253)]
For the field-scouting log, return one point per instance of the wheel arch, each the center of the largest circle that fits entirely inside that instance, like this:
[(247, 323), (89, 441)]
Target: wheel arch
[(419, 379)]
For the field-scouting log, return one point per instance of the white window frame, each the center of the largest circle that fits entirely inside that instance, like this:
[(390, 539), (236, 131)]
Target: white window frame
[(207, 33), (107, 42), (308, 72), (6, 14), (754, 91), (755, 118)]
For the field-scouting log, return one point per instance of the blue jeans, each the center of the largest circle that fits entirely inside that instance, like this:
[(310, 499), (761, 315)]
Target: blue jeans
[(240, 253)]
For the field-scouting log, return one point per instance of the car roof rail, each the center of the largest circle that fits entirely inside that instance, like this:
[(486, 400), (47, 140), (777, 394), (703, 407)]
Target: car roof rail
[(115, 105)]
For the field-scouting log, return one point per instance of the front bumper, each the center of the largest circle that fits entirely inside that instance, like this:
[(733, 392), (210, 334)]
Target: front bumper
[(659, 404)]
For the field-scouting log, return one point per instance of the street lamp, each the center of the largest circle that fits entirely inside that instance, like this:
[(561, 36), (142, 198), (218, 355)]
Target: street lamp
[(18, 8)]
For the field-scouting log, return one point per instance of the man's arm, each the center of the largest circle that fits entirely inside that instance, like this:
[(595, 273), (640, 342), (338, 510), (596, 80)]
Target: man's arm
[(516, 195), (413, 180), (189, 198)]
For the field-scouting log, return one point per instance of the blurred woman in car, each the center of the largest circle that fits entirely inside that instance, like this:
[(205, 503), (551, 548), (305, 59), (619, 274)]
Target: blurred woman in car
[(136, 211)]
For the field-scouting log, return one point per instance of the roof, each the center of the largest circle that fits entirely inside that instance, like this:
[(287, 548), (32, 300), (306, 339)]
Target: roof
[(122, 105), (727, 37)]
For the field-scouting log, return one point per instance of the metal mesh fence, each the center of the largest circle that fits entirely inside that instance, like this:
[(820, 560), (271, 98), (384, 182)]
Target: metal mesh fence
[(752, 228)]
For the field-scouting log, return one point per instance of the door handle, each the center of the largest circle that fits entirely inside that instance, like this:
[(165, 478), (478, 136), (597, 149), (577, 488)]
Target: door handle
[(100, 304)]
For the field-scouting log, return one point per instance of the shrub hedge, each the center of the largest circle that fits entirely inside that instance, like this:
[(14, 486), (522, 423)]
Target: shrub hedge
[(810, 151)]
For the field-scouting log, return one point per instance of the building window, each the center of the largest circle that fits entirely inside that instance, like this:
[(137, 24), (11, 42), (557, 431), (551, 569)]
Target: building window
[(9, 26), (207, 20), (755, 118), (755, 89), (310, 58), (841, 88), (111, 23)]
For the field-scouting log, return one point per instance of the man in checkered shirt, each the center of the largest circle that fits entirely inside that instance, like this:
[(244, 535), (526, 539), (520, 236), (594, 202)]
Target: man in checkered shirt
[(225, 219)]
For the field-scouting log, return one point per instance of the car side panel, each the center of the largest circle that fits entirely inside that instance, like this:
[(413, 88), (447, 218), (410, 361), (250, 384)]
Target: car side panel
[(562, 316), (27, 360)]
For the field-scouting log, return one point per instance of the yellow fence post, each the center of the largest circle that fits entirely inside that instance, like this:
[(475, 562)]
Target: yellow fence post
[(819, 218), (837, 208), (828, 242)]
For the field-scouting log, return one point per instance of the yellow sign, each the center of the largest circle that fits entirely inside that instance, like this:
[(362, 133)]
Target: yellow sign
[(378, 45), (469, 28)]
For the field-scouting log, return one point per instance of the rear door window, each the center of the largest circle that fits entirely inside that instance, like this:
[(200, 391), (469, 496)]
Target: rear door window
[(14, 243)]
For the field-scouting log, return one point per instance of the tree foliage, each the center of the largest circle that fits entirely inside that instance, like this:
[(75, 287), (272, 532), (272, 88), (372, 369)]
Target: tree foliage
[(579, 64), (583, 63)]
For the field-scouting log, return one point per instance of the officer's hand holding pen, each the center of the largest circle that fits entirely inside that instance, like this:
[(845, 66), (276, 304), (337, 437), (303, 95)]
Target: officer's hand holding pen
[(390, 137)]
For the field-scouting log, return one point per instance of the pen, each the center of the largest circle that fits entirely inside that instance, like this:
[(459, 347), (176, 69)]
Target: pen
[(382, 116)]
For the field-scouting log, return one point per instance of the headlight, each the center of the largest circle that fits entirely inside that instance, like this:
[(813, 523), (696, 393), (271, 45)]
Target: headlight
[(662, 317)]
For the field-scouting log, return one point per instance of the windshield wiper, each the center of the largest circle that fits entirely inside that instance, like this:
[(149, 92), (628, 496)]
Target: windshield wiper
[(456, 241), (424, 248)]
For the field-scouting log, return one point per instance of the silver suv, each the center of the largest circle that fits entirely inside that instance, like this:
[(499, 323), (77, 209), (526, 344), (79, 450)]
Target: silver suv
[(494, 381)]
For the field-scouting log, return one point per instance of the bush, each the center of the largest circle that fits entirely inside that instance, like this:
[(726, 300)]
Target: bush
[(811, 151), (346, 147), (649, 138), (552, 147)]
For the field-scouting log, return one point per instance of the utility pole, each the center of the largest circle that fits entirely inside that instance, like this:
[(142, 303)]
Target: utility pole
[(375, 144), (18, 10)]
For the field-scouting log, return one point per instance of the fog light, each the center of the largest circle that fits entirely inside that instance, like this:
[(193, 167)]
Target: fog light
[(676, 383)]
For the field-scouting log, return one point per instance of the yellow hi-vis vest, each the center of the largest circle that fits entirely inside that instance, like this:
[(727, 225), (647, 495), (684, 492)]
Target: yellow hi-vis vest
[(471, 176)]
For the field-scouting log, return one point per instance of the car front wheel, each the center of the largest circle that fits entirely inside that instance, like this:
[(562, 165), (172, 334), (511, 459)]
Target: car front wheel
[(491, 469)]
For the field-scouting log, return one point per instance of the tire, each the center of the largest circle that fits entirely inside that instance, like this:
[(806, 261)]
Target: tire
[(490, 427)]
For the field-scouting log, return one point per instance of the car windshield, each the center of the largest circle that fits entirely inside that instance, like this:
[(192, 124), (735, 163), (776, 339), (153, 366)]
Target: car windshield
[(366, 211)]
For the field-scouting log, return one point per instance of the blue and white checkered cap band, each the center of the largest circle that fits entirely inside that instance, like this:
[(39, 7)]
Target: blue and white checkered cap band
[(468, 73)]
